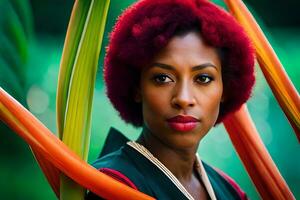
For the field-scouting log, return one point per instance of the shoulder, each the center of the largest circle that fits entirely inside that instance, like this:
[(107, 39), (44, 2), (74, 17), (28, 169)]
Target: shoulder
[(114, 159), (116, 164), (120, 166), (231, 181), (224, 183)]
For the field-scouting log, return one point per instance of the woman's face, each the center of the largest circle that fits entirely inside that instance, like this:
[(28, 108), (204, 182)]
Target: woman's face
[(181, 91)]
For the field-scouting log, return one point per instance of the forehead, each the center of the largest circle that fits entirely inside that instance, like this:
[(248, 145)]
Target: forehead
[(188, 50)]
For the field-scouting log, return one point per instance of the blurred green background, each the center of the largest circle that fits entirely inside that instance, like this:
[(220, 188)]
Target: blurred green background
[(31, 40)]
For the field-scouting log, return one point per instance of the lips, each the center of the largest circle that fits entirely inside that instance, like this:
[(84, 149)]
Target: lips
[(183, 123)]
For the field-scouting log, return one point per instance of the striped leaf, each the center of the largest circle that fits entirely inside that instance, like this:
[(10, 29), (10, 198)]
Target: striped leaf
[(77, 80)]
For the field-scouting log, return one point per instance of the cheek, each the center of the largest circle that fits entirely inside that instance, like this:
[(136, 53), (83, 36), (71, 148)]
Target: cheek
[(211, 103), (155, 102)]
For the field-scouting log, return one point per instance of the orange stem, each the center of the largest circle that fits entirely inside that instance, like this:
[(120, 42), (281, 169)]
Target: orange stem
[(255, 156), (50, 171), (278, 80), (40, 138)]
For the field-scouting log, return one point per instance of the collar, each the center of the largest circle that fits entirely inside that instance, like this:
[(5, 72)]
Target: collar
[(198, 165)]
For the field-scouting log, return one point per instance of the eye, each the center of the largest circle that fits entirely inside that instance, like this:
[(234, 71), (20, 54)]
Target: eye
[(162, 78), (204, 79)]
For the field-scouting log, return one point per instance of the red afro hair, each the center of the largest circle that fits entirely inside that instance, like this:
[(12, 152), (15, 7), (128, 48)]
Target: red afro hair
[(147, 26)]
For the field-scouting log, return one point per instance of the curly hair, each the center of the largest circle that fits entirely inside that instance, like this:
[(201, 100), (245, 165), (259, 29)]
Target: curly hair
[(148, 25)]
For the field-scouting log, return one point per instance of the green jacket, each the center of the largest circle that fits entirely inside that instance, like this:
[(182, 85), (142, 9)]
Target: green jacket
[(127, 165)]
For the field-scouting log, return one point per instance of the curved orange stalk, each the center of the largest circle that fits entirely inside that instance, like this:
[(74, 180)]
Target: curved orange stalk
[(283, 89), (255, 157), (49, 146), (49, 170)]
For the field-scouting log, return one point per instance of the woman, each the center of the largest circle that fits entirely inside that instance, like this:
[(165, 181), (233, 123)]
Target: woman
[(176, 68)]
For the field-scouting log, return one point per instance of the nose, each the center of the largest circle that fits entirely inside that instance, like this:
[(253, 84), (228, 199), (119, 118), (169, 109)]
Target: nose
[(183, 96)]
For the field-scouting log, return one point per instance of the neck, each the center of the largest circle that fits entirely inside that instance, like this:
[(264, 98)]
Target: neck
[(179, 161)]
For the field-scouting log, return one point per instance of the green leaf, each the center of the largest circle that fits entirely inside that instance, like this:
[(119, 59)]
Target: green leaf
[(10, 82), (10, 56), (77, 81), (13, 39), (23, 10)]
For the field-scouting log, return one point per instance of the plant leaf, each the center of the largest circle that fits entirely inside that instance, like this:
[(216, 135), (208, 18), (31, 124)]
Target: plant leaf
[(77, 81)]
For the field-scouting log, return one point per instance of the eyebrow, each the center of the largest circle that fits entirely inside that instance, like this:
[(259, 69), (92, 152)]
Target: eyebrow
[(195, 68)]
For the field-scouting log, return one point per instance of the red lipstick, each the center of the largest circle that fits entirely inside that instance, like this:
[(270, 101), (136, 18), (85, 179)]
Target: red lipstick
[(183, 123)]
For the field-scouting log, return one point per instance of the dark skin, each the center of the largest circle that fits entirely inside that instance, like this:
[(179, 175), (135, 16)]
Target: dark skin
[(184, 79)]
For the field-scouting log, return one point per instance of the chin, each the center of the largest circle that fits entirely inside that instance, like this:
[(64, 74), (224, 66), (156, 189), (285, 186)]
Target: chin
[(184, 141)]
